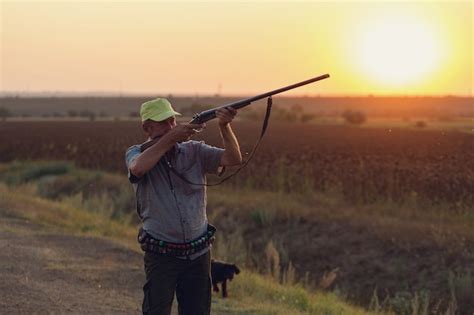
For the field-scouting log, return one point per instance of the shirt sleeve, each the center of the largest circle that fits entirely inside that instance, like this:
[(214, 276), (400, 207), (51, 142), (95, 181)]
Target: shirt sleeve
[(131, 154), (210, 158)]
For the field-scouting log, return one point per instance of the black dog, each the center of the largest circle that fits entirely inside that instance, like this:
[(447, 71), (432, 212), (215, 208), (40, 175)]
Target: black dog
[(220, 273)]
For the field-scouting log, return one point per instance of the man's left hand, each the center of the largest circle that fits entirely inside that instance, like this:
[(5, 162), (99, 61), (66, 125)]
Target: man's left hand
[(225, 115)]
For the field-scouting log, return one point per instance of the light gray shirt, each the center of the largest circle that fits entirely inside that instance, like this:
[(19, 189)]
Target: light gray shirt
[(171, 209)]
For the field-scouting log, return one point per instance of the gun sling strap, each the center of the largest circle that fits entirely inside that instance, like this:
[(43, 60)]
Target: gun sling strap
[(262, 133)]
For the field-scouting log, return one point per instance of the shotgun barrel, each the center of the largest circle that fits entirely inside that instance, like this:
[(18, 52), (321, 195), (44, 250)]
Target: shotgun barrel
[(209, 114)]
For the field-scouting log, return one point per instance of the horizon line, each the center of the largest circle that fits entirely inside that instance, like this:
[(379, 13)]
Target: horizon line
[(105, 94)]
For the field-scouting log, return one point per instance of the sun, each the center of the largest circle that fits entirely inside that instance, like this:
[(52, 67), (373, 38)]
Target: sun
[(397, 50)]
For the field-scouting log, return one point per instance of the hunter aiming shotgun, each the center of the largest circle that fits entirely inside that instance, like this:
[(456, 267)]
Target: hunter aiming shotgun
[(209, 114), (168, 173)]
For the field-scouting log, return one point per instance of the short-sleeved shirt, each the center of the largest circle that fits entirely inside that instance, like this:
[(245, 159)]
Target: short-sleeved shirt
[(170, 208)]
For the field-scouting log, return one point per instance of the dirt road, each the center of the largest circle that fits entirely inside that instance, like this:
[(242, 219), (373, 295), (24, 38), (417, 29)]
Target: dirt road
[(48, 272)]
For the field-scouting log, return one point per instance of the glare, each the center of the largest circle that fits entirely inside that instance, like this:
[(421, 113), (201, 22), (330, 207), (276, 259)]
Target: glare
[(398, 50)]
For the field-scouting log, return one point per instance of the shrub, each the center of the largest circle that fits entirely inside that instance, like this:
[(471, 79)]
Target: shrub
[(307, 117), (354, 117), (4, 113), (262, 217), (20, 173), (87, 114), (420, 124), (99, 192), (72, 113)]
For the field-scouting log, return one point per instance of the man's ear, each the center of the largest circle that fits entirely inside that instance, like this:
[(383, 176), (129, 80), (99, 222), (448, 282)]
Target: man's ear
[(146, 127)]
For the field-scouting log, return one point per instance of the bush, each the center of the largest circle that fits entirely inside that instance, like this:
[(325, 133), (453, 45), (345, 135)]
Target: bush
[(307, 117), (20, 173), (420, 124), (87, 114), (72, 113), (94, 191), (4, 113), (354, 117)]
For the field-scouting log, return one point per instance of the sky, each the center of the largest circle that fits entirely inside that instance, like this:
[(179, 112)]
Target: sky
[(237, 48)]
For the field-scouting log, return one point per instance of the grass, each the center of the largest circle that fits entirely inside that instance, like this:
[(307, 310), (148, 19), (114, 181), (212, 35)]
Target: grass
[(256, 294), (22, 202), (270, 218), (405, 222), (251, 293), (112, 194)]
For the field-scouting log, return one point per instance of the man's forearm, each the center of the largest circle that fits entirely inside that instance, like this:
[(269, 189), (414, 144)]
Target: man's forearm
[(148, 158), (232, 155)]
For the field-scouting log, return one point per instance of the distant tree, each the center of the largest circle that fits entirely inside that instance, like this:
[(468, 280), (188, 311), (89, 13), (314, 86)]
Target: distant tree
[(307, 117), (87, 114), (420, 124), (354, 117), (72, 113), (4, 113), (297, 108)]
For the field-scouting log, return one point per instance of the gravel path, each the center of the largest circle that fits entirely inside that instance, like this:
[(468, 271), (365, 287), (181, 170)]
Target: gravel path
[(46, 272)]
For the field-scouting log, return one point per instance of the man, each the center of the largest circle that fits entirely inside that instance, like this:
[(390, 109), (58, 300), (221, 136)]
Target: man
[(176, 235)]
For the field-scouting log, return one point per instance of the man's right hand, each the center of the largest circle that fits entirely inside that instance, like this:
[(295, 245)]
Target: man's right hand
[(182, 132)]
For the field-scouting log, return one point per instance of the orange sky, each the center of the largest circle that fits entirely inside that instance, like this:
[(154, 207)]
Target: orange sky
[(244, 48)]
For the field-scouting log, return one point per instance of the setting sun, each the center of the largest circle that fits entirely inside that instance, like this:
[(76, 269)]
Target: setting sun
[(115, 47), (398, 50)]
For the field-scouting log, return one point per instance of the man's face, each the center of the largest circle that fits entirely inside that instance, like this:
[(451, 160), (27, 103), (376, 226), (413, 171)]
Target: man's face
[(159, 128)]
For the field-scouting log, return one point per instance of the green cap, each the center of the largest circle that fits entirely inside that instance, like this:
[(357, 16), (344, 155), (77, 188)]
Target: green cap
[(158, 110)]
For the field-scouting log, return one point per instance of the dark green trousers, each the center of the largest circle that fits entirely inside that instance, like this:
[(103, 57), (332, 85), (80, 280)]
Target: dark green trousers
[(190, 279)]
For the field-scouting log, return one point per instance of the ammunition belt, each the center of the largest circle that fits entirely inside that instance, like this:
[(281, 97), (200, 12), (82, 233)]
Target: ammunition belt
[(150, 244)]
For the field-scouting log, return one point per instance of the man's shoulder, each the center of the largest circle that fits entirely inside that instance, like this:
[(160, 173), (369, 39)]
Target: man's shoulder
[(133, 148), (132, 152)]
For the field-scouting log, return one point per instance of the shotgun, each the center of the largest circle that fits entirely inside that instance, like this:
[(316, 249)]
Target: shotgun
[(209, 114)]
